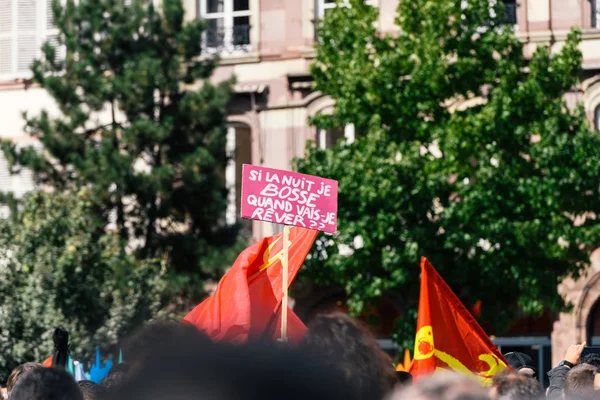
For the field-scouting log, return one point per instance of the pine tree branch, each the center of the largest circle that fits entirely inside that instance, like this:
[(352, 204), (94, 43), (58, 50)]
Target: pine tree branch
[(90, 132)]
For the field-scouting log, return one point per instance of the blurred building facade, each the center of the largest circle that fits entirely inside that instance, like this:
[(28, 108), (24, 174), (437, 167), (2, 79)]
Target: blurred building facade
[(268, 46)]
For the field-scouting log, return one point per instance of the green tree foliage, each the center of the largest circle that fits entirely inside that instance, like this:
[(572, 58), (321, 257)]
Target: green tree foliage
[(59, 267), (466, 153), (141, 126)]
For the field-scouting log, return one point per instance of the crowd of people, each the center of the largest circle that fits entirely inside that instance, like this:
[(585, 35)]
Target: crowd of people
[(338, 359)]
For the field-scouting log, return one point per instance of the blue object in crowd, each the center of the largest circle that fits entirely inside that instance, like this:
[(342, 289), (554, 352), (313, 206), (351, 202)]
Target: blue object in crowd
[(70, 368), (79, 372), (98, 372)]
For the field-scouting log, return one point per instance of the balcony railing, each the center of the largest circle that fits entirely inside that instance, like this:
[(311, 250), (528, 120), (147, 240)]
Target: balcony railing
[(233, 40)]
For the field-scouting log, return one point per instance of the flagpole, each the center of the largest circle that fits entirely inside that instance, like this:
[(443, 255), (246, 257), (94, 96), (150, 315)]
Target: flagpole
[(284, 283)]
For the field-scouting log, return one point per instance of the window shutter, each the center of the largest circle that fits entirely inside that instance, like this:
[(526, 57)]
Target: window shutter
[(5, 16), (17, 184), (6, 37), (27, 43), (52, 33), (22, 183), (5, 185), (49, 17), (6, 56), (5, 182)]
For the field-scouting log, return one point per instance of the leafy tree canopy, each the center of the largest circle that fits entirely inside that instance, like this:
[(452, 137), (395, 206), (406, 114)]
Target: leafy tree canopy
[(141, 126), (58, 267), (466, 152)]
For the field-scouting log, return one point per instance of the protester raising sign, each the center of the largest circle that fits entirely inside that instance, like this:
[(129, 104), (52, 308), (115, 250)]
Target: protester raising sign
[(289, 198)]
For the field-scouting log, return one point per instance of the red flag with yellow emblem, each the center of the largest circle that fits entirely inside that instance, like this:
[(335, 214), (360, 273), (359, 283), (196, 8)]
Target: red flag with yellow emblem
[(448, 336), (247, 302)]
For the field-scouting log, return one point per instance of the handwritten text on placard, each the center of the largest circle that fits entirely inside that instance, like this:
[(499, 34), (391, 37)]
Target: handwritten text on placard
[(289, 198)]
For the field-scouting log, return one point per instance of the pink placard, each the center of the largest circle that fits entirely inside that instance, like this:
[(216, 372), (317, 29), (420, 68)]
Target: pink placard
[(289, 198)]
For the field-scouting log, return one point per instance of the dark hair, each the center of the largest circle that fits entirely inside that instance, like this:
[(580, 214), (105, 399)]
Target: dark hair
[(580, 380), (116, 376), (18, 373), (344, 344), (509, 385), (592, 359), (47, 384), (91, 390), (196, 368), (443, 386), (158, 335), (518, 361)]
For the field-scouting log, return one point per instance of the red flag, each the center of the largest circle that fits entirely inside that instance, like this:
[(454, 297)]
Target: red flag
[(448, 337), (247, 302)]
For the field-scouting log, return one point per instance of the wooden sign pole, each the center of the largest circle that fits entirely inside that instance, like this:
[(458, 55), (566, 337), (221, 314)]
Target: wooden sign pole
[(284, 283)]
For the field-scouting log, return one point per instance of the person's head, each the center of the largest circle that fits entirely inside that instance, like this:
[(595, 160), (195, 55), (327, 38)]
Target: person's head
[(195, 368), (158, 335), (91, 390), (18, 373), (116, 376), (521, 363), (592, 359), (579, 381), (342, 343), (443, 386), (510, 385), (46, 384)]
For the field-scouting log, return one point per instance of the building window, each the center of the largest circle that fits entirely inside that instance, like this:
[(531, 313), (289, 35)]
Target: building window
[(24, 27), (327, 138), (597, 118), (510, 12), (239, 151), (595, 13), (228, 25), (18, 184)]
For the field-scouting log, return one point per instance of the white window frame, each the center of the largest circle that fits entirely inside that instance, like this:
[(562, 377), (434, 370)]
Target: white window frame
[(230, 181), (323, 136), (595, 13), (322, 6), (42, 31), (227, 15)]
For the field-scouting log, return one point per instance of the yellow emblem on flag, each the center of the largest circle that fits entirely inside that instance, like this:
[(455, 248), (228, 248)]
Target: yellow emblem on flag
[(424, 349), (267, 261)]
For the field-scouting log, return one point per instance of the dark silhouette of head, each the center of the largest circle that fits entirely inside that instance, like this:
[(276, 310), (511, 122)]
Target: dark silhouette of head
[(443, 386), (522, 363), (116, 376), (46, 384), (344, 344), (155, 336), (592, 359), (92, 391), (18, 373), (197, 368), (579, 381), (509, 385)]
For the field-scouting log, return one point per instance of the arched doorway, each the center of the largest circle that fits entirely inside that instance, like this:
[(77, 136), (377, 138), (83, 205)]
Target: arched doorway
[(593, 325)]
